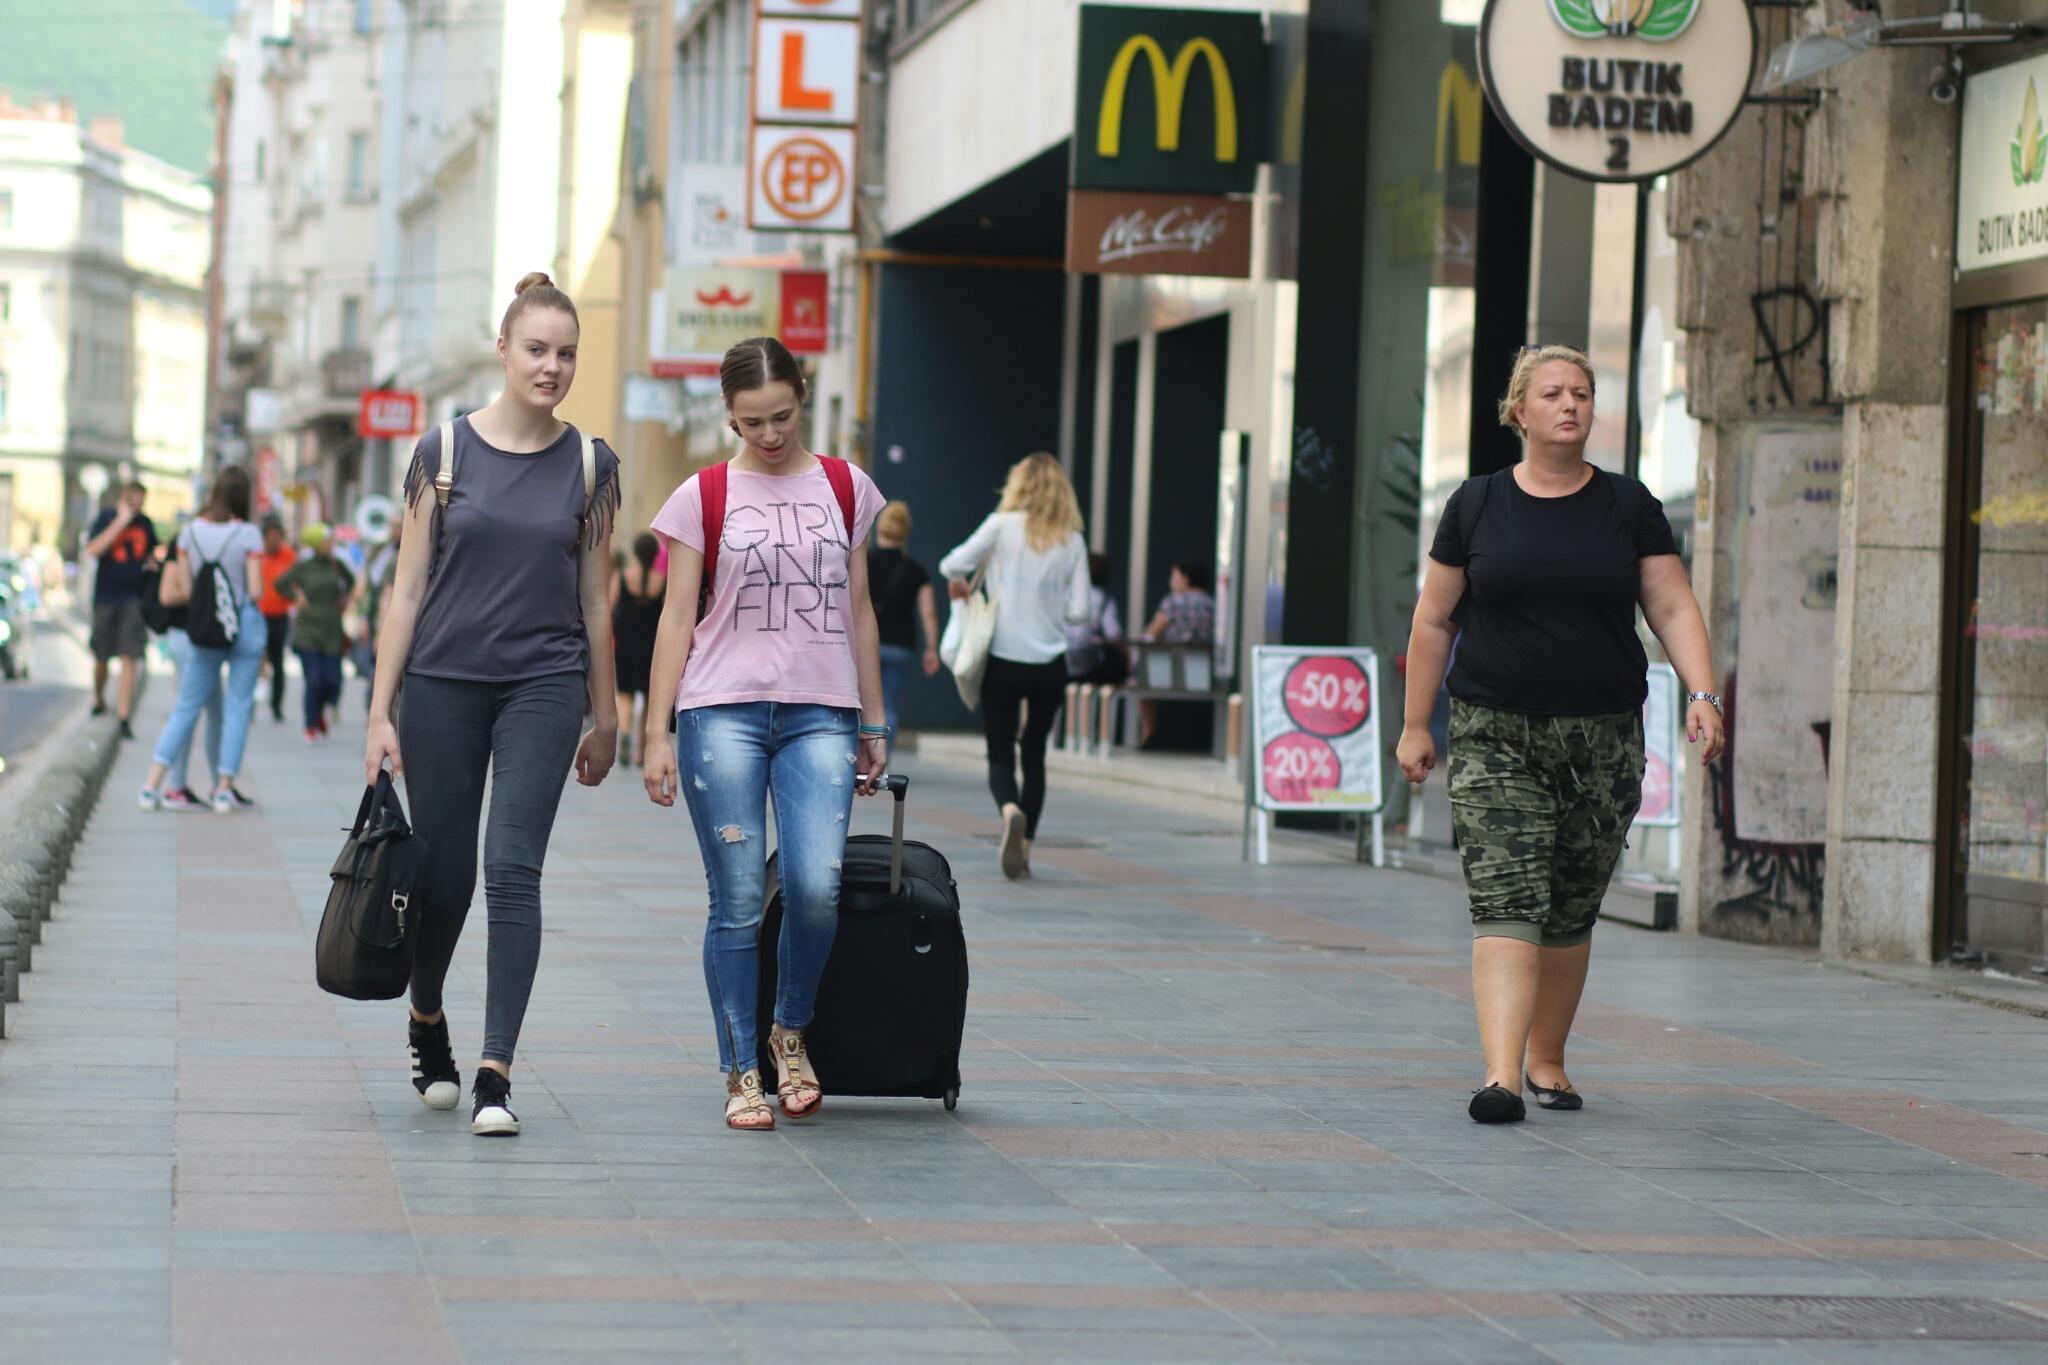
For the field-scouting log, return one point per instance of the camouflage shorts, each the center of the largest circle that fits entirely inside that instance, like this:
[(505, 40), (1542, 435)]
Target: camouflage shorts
[(1542, 807)]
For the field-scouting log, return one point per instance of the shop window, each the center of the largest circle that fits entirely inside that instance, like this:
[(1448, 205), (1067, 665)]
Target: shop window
[(2005, 743)]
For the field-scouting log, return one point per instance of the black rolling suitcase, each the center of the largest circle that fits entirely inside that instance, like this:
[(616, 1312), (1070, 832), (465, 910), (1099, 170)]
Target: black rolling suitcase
[(893, 1003)]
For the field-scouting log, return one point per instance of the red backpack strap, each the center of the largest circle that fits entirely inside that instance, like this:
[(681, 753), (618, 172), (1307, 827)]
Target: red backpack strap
[(711, 491), (840, 476)]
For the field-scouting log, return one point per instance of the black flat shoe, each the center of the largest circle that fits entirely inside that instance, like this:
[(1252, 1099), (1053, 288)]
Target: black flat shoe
[(1497, 1104), (1563, 1097)]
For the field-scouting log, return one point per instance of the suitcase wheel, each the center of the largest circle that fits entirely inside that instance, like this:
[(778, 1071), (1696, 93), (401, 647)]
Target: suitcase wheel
[(952, 1099)]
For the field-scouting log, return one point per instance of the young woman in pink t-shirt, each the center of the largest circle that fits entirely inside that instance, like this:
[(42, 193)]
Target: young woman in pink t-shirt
[(776, 691)]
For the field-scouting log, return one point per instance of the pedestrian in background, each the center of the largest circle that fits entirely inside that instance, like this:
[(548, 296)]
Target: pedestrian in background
[(1187, 614), (1037, 576), (1096, 651), (277, 559), (497, 625), (372, 593), (222, 540), (636, 593), (319, 587), (177, 791), (121, 540), (1550, 560), (904, 601), (776, 694)]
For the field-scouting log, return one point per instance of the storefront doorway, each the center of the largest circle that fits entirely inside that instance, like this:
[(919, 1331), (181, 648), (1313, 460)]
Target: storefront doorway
[(1996, 714)]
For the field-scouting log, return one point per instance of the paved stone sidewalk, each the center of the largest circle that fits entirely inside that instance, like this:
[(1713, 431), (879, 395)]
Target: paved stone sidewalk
[(1211, 1112)]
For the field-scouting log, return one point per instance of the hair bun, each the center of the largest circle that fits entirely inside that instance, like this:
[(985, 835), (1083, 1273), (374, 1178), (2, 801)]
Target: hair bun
[(537, 279)]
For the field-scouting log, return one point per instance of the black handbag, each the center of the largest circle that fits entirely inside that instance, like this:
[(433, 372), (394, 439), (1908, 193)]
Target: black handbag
[(364, 950)]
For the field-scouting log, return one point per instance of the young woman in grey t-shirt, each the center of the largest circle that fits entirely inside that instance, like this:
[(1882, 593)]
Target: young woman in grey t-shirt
[(498, 619)]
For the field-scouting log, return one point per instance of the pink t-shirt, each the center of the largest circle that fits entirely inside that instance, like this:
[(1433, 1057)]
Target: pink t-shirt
[(780, 624)]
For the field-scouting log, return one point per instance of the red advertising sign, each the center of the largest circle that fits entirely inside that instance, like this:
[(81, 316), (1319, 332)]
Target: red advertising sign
[(384, 413), (269, 481), (804, 318)]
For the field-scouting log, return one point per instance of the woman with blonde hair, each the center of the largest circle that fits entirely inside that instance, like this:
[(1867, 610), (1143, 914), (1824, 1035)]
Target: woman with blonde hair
[(1545, 564), (1035, 567)]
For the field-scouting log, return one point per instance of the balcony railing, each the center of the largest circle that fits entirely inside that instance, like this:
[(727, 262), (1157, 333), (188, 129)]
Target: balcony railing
[(345, 373), (270, 299)]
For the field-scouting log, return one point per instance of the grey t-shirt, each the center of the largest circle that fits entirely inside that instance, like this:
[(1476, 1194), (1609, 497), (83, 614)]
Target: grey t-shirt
[(501, 601)]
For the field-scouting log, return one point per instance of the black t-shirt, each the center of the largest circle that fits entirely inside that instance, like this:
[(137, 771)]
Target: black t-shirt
[(893, 580), (119, 576), (1551, 587)]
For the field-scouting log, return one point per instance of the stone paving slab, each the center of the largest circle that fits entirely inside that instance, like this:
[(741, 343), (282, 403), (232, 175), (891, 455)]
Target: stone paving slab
[(1211, 1112)]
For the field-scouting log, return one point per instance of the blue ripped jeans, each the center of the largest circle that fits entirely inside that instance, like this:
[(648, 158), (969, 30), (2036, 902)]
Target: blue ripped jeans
[(731, 760)]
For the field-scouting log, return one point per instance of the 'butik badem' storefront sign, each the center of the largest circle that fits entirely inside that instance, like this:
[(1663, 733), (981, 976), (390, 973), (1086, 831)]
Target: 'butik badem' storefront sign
[(2002, 174), (1617, 90)]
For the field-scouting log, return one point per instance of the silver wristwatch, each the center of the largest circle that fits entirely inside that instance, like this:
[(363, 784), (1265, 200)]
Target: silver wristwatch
[(1712, 699)]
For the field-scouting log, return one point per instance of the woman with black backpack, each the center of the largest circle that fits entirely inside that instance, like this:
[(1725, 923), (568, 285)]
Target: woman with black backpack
[(217, 578), (1542, 567)]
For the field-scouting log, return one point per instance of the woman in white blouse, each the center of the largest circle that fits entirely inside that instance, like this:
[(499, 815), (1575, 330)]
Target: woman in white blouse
[(1037, 576)]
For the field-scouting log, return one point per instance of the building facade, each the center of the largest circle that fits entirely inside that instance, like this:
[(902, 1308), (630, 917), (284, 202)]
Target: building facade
[(300, 157), (103, 260)]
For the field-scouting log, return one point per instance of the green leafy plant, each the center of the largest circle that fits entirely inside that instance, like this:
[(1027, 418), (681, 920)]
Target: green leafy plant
[(2029, 144)]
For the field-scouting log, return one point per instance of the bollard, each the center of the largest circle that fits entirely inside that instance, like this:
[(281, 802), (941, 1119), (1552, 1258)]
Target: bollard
[(18, 908), (10, 961)]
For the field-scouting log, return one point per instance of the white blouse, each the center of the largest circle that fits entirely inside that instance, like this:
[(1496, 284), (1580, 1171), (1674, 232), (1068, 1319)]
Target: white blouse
[(1037, 593)]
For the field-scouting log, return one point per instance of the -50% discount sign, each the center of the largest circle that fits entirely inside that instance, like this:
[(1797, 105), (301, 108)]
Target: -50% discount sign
[(1316, 728)]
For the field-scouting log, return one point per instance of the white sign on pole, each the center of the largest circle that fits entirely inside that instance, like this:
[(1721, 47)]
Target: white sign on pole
[(1661, 716), (711, 213), (1617, 90), (800, 179), (1315, 734), (813, 9), (2002, 172), (806, 71)]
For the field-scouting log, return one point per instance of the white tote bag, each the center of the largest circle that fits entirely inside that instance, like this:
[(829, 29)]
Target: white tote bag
[(964, 644)]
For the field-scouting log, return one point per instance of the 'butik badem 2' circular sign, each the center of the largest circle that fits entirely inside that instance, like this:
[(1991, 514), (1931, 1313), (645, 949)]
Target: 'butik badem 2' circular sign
[(1617, 90)]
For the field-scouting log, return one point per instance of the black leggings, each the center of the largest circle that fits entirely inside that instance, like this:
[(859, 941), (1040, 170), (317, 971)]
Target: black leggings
[(1005, 689), (523, 734), (277, 631)]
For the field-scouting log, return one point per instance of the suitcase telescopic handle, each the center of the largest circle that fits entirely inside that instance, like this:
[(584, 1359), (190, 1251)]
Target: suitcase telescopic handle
[(898, 786)]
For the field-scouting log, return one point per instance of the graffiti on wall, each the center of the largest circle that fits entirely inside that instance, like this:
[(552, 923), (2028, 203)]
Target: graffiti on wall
[(1770, 794)]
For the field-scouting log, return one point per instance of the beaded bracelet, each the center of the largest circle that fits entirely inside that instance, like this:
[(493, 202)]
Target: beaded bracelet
[(874, 731)]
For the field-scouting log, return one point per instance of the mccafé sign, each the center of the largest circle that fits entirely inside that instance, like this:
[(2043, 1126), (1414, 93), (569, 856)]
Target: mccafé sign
[(1169, 120), (1617, 90), (1158, 234)]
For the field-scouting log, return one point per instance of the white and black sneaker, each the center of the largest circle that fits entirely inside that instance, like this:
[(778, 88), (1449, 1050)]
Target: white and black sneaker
[(434, 1073), (492, 1116)]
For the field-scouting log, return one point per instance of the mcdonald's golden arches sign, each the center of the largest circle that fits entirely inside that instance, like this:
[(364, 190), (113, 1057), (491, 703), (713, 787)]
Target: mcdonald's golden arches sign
[(1170, 100)]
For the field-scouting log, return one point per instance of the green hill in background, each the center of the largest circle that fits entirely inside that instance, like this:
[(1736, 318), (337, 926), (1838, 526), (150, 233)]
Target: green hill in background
[(150, 61)]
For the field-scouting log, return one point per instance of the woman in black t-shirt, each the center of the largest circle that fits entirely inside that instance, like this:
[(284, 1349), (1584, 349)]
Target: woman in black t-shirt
[(1543, 566), (903, 598)]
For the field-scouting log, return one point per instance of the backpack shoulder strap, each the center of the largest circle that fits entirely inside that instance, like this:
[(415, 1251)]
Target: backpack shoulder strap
[(1628, 495), (1470, 506), (589, 444), (711, 491), (444, 477), (840, 476)]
